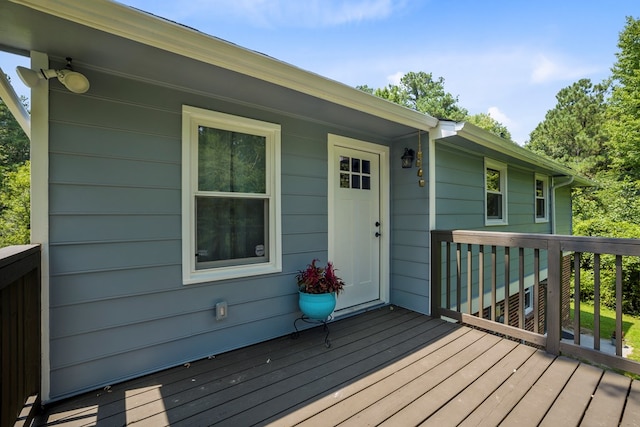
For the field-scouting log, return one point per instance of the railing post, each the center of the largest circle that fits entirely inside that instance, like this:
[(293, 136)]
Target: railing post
[(554, 295), (436, 275)]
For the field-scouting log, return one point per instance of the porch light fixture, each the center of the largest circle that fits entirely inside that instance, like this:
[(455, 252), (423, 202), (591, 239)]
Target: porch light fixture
[(72, 80), (407, 158)]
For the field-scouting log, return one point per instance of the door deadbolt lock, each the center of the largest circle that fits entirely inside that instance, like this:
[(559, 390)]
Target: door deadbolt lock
[(377, 223)]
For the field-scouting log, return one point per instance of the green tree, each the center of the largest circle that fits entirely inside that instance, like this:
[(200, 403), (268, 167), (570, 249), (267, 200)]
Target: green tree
[(487, 122), (623, 124), (573, 131), (419, 91), (15, 206), (14, 144)]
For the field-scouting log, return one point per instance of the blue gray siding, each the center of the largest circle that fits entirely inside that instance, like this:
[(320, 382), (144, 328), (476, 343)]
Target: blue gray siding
[(410, 231), (118, 307), (460, 194)]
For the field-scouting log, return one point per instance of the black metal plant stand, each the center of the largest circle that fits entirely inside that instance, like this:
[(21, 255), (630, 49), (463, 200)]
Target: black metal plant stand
[(306, 319)]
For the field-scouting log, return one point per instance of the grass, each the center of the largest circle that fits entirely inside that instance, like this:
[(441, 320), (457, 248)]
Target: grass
[(630, 325)]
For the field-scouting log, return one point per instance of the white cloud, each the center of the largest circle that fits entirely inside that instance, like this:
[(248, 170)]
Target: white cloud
[(394, 79), (546, 69), (498, 115)]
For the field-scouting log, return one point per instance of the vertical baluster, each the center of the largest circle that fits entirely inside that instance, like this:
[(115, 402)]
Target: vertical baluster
[(619, 305), (458, 277), (448, 281), (536, 291), (596, 301), (481, 281), (576, 298), (493, 283), (521, 288), (469, 280), (507, 282)]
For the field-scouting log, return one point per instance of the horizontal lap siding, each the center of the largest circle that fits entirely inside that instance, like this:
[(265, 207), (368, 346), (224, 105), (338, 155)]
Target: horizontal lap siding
[(118, 306), (460, 195), (410, 230)]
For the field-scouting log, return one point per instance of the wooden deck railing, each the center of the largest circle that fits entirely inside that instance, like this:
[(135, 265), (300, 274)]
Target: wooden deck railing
[(469, 270), (19, 334)]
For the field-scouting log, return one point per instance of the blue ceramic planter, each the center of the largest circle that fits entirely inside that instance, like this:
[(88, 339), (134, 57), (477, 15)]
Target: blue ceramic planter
[(317, 306)]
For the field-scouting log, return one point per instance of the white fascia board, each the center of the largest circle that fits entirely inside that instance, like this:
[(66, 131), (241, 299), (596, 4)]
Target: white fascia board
[(132, 24), (12, 101), (511, 149)]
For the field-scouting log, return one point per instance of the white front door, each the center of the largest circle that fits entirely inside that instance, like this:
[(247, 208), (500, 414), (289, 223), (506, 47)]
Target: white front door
[(356, 231)]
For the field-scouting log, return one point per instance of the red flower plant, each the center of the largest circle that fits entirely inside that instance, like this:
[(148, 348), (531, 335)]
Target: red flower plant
[(319, 280)]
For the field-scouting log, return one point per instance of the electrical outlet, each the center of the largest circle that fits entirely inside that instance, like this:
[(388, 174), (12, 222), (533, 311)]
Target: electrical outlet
[(221, 310)]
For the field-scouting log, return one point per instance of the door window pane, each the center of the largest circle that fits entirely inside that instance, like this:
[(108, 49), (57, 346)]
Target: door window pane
[(366, 183), (344, 163), (355, 165), (344, 180)]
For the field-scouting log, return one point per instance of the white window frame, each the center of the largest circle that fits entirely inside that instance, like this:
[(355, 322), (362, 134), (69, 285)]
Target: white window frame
[(528, 308), (502, 168), (545, 197), (192, 117)]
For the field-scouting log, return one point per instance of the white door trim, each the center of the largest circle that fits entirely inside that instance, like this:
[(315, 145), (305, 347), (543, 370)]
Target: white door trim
[(385, 216)]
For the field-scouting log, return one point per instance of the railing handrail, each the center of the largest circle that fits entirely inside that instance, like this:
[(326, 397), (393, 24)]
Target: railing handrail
[(555, 246), (20, 326), (14, 260), (613, 245)]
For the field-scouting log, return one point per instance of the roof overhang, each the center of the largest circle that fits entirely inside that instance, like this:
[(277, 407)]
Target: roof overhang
[(146, 29), (474, 139)]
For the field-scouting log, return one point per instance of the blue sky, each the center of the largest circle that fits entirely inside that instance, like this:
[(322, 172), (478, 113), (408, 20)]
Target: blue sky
[(508, 58)]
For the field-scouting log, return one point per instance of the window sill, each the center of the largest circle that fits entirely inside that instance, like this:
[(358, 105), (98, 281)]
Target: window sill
[(225, 273)]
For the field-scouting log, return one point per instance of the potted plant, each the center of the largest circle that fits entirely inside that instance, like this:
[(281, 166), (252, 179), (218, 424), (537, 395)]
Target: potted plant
[(318, 287)]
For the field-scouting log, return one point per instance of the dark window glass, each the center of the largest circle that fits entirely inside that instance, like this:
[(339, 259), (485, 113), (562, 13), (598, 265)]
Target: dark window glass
[(366, 183), (494, 206), (230, 231), (355, 181)]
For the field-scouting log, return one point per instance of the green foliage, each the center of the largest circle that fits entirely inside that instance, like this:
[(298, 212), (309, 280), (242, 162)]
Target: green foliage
[(15, 206), (421, 92), (603, 227), (14, 144), (623, 124), (487, 122), (573, 131)]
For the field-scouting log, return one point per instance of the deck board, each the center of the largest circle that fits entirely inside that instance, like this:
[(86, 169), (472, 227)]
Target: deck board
[(575, 397), (606, 407), (385, 367)]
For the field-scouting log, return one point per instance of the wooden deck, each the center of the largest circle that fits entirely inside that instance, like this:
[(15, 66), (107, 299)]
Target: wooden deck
[(385, 367)]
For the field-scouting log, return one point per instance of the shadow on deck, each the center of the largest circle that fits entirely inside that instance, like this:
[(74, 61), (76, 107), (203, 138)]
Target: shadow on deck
[(387, 366)]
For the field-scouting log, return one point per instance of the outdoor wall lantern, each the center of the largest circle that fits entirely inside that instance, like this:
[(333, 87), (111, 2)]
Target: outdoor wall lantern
[(407, 158), (72, 80)]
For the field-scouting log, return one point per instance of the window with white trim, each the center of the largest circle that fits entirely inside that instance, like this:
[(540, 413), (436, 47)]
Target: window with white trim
[(528, 301), (542, 198), (495, 184), (230, 196)]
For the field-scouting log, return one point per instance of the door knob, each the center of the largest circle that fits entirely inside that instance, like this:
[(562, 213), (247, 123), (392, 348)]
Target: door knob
[(377, 223), (377, 234)]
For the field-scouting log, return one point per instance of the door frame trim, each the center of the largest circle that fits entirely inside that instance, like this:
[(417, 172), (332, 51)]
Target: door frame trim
[(338, 141)]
